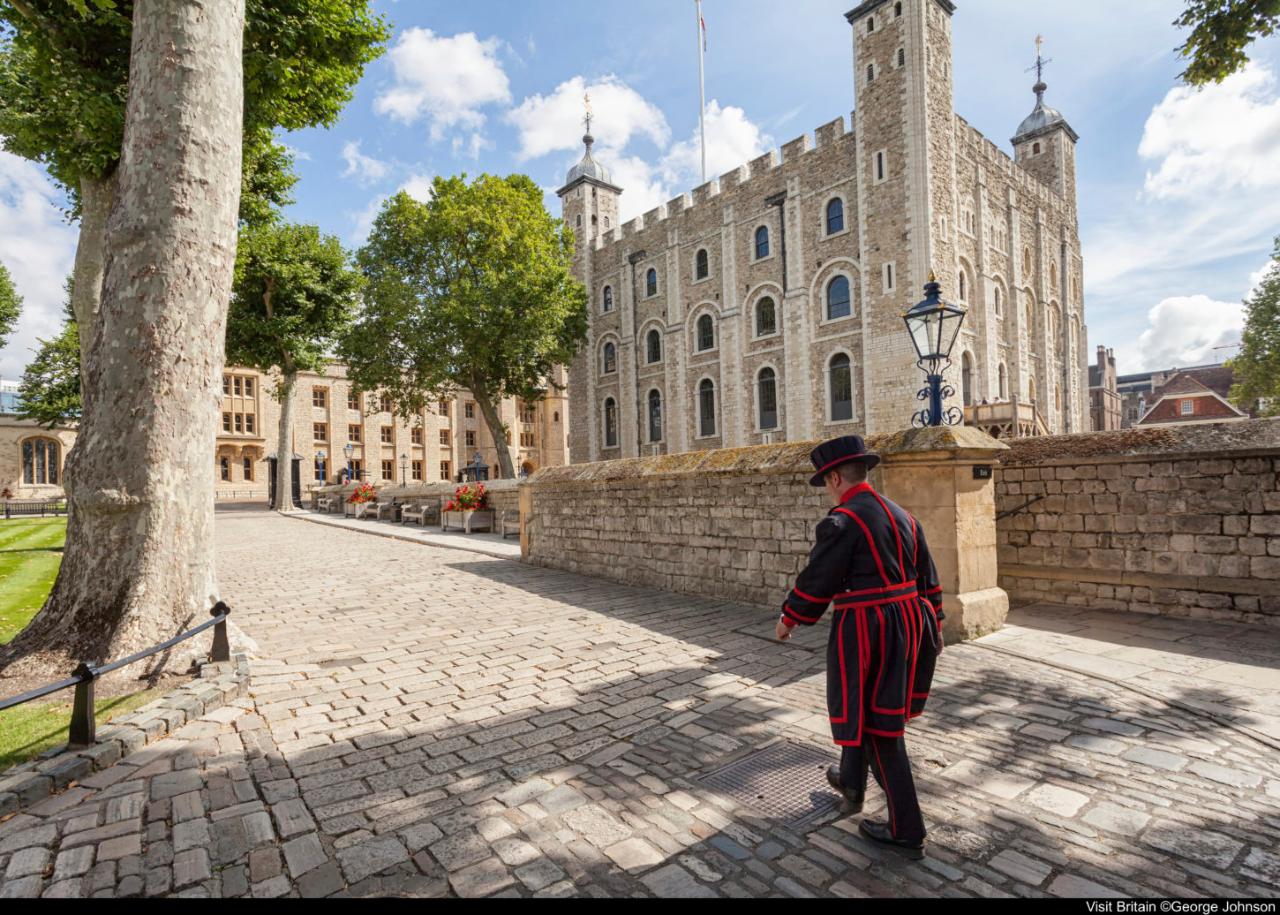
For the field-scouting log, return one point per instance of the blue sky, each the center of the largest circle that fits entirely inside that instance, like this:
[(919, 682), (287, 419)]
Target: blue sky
[(1179, 191)]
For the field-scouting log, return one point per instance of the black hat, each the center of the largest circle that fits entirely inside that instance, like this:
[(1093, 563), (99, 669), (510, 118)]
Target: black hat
[(830, 455)]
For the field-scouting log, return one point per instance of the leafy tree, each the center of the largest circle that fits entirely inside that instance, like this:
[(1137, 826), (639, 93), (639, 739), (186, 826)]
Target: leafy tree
[(1221, 33), (10, 305), (295, 292), (50, 389), (1257, 368), (64, 73), (469, 290)]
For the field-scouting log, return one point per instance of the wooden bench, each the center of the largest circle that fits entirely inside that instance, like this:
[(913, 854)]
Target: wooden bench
[(324, 504), (388, 508), (421, 513), (509, 524)]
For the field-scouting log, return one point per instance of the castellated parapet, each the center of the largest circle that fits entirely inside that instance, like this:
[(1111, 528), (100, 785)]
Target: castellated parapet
[(766, 305)]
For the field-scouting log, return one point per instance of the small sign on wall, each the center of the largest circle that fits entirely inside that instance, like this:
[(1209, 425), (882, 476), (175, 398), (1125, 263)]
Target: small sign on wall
[(982, 472)]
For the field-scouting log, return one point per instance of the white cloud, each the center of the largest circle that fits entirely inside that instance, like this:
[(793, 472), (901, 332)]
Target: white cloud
[(365, 169), (362, 220), (1185, 331), (446, 80), (418, 187), (551, 123), (38, 247), (1221, 138), (732, 140)]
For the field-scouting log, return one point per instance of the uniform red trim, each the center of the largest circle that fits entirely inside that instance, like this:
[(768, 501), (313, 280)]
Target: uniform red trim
[(915, 545), (881, 590), (813, 600), (844, 674), (852, 491), (897, 534), (810, 620), (879, 733), (870, 542), (880, 603), (844, 460)]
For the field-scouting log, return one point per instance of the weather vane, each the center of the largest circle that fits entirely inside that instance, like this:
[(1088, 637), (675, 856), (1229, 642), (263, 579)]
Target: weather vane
[(1041, 63), (586, 100)]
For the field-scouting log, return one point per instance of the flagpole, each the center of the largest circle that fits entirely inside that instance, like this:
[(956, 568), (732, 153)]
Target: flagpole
[(702, 86)]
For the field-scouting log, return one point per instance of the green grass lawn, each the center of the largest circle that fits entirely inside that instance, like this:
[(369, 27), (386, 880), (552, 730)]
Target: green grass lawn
[(29, 558), (29, 730), (30, 553)]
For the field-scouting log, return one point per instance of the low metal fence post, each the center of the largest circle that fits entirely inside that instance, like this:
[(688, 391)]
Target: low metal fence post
[(83, 727), (221, 650)]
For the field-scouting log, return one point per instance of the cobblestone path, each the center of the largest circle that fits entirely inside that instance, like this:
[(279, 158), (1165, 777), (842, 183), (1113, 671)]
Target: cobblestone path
[(427, 722)]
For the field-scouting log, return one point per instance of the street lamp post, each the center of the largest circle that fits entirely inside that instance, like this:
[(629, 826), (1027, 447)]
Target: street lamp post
[(934, 326), (349, 450), (404, 474)]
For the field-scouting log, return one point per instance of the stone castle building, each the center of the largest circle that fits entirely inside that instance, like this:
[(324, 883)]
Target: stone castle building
[(1106, 405), (767, 305), (329, 414)]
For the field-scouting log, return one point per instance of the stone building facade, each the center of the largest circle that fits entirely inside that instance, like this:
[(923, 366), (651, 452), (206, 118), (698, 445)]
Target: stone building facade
[(329, 413), (767, 305), (32, 458), (1106, 406)]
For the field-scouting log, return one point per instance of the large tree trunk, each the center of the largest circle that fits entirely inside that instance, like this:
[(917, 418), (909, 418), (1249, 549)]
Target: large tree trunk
[(506, 468), (284, 443), (138, 567), (96, 198)]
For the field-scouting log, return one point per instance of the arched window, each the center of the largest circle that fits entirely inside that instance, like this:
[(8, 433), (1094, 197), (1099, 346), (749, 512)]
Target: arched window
[(871, 24), (1053, 275), (871, 73), (653, 347), (897, 10), (1031, 313), (655, 416), (40, 462), (651, 282), (611, 423), (608, 298), (706, 408), (609, 363), (762, 242), (767, 386), (224, 470), (840, 372), (999, 302), (248, 470), (702, 265), (964, 288), (1004, 382), (706, 334), (835, 216), (1035, 149), (966, 376), (766, 317), (902, 57), (839, 305)]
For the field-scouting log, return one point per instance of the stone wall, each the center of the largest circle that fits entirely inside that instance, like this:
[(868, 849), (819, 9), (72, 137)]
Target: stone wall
[(1177, 521), (735, 524)]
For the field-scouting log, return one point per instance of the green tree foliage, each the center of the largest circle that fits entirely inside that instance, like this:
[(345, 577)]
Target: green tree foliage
[(1257, 368), (50, 389), (295, 292), (470, 290), (1221, 33), (10, 305), (64, 72)]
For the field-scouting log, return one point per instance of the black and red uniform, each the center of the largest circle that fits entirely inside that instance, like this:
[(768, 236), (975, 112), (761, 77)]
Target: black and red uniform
[(872, 564)]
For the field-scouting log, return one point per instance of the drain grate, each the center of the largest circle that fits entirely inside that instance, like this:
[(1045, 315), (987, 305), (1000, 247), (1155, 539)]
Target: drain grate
[(786, 781)]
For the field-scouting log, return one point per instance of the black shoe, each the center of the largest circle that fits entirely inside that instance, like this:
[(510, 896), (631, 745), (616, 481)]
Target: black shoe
[(852, 802), (882, 835)]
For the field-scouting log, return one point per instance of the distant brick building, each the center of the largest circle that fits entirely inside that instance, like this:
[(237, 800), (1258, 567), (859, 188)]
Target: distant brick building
[(1140, 392), (1106, 406), (1186, 399)]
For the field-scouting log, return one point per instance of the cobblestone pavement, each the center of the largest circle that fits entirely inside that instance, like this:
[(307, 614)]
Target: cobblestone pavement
[(1236, 668), (427, 722)]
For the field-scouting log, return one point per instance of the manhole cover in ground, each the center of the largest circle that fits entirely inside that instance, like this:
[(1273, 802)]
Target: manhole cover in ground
[(786, 781)]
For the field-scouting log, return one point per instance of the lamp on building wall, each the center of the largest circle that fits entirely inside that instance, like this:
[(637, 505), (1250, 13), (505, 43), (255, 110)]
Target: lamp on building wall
[(934, 326), (349, 451)]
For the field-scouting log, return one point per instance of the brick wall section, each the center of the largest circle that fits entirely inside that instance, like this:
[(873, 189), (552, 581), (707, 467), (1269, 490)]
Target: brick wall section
[(734, 524), (1182, 522)]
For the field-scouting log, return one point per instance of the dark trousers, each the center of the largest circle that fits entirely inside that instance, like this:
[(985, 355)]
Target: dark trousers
[(886, 759)]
